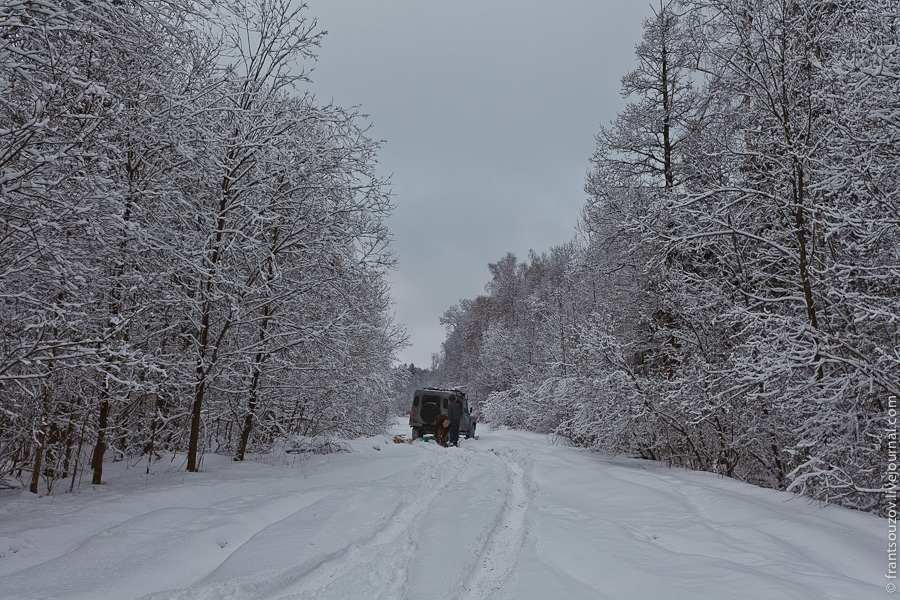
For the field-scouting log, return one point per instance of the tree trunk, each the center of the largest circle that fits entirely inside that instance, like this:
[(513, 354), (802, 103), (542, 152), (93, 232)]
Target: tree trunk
[(251, 410), (69, 442), (38, 459), (667, 112), (196, 410), (100, 448), (200, 386), (247, 428), (254, 385)]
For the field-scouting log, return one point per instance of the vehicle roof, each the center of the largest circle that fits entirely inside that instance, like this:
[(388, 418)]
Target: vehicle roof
[(441, 391)]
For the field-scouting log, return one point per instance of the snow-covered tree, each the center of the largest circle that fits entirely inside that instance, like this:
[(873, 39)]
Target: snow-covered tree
[(194, 249), (733, 282)]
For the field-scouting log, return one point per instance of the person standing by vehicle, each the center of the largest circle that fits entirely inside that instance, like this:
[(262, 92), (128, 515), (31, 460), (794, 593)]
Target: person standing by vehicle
[(454, 413)]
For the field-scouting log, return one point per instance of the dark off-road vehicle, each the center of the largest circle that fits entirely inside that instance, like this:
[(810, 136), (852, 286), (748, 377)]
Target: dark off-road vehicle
[(428, 403)]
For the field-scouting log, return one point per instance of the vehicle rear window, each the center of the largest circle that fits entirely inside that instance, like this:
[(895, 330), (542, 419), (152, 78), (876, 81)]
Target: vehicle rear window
[(426, 398), (416, 401)]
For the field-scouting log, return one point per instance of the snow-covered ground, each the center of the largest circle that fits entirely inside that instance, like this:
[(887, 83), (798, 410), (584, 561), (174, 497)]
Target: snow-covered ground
[(505, 516)]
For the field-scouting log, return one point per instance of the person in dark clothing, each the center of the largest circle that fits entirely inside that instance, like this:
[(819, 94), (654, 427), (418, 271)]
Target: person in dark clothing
[(454, 413)]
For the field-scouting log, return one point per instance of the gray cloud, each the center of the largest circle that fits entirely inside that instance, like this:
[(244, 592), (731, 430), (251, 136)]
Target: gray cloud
[(489, 109)]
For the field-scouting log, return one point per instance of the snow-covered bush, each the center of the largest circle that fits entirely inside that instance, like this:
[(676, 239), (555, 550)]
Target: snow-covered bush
[(541, 408)]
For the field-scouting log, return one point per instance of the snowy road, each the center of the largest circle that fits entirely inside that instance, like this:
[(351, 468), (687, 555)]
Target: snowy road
[(506, 516)]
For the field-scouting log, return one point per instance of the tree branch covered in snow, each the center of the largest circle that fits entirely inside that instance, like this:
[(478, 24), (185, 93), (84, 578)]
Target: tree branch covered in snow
[(730, 302), (193, 247)]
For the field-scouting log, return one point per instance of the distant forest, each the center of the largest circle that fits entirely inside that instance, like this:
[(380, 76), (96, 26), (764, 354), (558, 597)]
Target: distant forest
[(730, 300)]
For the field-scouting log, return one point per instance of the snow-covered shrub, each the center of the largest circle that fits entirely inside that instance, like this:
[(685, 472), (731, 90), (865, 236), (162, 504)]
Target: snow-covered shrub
[(541, 408)]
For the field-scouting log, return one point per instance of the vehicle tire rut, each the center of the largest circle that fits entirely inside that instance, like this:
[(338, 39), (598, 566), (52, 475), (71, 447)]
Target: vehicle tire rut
[(501, 549), (375, 567)]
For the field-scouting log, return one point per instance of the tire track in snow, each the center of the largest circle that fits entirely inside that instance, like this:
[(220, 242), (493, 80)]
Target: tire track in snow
[(374, 568), (501, 549)]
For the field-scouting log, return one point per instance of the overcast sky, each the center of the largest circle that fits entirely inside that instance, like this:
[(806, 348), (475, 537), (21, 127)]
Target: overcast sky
[(489, 110)]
